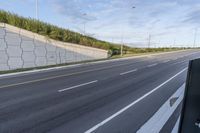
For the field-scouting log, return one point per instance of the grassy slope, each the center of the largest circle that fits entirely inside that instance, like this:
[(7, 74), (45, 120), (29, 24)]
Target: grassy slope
[(53, 31), (66, 35)]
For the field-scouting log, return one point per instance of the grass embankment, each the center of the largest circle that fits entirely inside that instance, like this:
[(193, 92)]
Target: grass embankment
[(148, 51), (52, 31), (65, 35)]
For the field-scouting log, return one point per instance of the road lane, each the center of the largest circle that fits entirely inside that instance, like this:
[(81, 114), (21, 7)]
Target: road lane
[(65, 82), (34, 77), (133, 103), (122, 98), (4, 82), (38, 107)]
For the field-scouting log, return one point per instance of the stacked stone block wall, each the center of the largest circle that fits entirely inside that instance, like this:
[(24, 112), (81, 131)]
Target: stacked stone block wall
[(23, 49)]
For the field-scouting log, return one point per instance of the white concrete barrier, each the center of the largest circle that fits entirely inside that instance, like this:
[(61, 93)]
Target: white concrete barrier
[(23, 49)]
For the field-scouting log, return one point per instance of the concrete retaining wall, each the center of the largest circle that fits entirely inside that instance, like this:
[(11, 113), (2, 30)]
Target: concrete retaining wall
[(23, 49)]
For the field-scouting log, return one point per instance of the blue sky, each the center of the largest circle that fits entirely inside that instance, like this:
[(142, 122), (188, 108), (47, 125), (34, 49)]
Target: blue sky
[(168, 22)]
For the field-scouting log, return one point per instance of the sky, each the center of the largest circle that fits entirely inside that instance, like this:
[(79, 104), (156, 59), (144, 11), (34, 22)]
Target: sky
[(163, 23)]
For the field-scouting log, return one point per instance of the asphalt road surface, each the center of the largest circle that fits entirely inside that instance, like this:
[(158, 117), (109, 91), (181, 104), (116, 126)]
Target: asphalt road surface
[(117, 96)]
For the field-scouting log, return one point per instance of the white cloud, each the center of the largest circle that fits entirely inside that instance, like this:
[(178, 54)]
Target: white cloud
[(166, 20)]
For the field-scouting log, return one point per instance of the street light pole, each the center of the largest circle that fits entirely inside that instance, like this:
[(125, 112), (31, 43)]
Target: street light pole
[(36, 9), (122, 43), (84, 28), (84, 23), (195, 37)]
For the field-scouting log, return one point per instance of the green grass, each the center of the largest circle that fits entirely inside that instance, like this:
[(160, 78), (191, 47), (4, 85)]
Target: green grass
[(145, 53), (53, 32)]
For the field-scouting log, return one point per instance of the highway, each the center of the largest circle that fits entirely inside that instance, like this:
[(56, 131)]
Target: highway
[(116, 96)]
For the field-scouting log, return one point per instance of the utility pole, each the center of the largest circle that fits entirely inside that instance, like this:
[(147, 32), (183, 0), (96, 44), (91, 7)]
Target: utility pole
[(174, 43), (121, 49), (195, 37), (149, 43), (36, 9), (159, 43), (122, 46)]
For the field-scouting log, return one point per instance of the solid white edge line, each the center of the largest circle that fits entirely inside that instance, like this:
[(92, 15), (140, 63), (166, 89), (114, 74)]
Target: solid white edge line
[(130, 105), (129, 71), (77, 86)]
